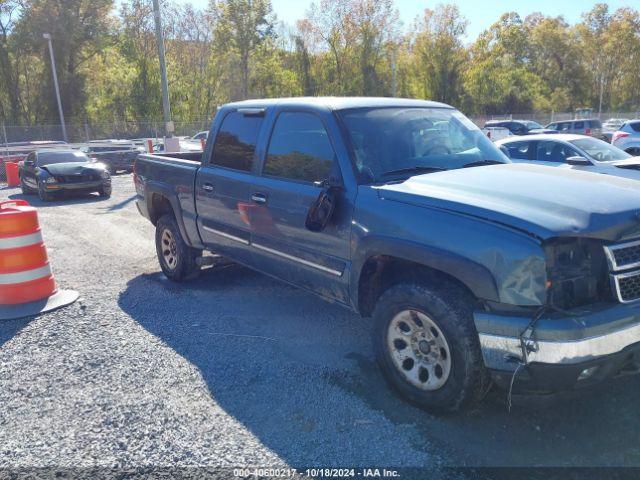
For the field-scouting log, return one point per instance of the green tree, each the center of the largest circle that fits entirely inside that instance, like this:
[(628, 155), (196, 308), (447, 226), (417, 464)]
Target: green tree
[(9, 86), (80, 29), (554, 55), (441, 53), (242, 26)]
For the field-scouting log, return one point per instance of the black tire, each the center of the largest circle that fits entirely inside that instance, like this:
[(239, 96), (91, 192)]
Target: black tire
[(105, 191), (43, 194), (451, 312), (184, 266)]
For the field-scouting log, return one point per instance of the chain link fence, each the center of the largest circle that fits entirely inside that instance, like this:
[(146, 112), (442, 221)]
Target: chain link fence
[(124, 129), (546, 118), (14, 137), (85, 132)]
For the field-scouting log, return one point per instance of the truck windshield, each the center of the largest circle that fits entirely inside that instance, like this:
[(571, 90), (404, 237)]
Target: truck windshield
[(400, 142), (599, 150)]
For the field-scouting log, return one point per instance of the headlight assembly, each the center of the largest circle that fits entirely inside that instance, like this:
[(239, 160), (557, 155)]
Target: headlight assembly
[(104, 174), (50, 180), (576, 272)]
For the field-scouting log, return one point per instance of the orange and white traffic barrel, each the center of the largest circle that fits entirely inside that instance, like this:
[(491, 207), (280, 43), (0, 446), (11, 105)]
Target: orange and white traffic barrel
[(27, 286)]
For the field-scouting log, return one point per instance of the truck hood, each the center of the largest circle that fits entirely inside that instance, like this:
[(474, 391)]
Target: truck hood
[(73, 168), (542, 201)]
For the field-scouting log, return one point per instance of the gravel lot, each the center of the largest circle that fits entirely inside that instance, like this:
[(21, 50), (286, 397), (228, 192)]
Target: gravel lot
[(237, 369)]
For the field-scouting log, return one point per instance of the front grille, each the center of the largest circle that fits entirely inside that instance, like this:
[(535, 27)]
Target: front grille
[(624, 262), (624, 255), (628, 286), (75, 178)]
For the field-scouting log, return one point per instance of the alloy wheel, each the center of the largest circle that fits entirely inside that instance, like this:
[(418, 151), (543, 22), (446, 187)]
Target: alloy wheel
[(419, 350), (169, 249)]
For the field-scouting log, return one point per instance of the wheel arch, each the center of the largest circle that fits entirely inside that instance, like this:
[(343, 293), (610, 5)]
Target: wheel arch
[(160, 201), (388, 263)]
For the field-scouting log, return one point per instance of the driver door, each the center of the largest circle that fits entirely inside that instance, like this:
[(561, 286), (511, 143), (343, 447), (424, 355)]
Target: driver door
[(299, 155), (28, 173), (555, 154)]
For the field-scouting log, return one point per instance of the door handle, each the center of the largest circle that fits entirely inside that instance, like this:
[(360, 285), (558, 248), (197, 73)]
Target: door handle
[(208, 187), (260, 198)]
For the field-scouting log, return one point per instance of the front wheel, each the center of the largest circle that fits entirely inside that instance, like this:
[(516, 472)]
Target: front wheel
[(177, 259), (105, 191), (43, 194), (427, 346), (23, 186)]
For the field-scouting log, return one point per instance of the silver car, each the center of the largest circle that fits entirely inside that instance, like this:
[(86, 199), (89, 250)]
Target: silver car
[(628, 137), (577, 152)]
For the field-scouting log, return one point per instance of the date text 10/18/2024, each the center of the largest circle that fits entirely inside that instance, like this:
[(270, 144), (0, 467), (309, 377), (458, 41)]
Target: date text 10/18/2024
[(316, 473)]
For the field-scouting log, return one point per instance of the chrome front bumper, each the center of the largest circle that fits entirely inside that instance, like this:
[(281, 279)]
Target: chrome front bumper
[(557, 341)]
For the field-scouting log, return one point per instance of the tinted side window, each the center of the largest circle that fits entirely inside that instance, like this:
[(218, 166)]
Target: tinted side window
[(236, 141), (515, 127), (299, 149), (635, 126), (554, 152), (578, 125), (595, 123), (519, 150)]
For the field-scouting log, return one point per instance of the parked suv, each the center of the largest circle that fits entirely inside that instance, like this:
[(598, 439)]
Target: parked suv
[(628, 137), (471, 267), (589, 126), (116, 155)]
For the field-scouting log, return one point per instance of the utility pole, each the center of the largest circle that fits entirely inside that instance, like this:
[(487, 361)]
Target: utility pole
[(166, 107), (6, 142), (47, 37), (394, 73)]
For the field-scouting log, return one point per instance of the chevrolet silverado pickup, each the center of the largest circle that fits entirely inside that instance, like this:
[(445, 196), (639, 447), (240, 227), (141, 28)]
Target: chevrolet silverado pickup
[(474, 270)]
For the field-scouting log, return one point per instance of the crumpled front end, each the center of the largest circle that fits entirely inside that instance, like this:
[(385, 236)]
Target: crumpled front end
[(588, 329)]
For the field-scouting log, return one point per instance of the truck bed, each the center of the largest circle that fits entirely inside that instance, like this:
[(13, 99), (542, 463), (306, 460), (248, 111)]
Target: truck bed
[(171, 176), (189, 156)]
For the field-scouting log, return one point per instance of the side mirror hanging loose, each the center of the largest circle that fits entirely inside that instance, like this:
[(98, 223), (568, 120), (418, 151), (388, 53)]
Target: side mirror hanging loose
[(322, 209)]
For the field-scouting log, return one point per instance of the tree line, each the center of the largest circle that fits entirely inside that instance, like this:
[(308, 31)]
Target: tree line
[(107, 61)]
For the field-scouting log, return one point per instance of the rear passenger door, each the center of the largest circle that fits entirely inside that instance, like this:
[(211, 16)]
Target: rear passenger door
[(223, 184), (521, 152), (299, 155)]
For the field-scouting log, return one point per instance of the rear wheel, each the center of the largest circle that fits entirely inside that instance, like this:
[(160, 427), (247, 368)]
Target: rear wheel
[(177, 259), (427, 346)]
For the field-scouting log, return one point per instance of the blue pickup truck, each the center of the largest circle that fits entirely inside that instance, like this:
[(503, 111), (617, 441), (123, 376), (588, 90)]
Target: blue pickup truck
[(473, 269)]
